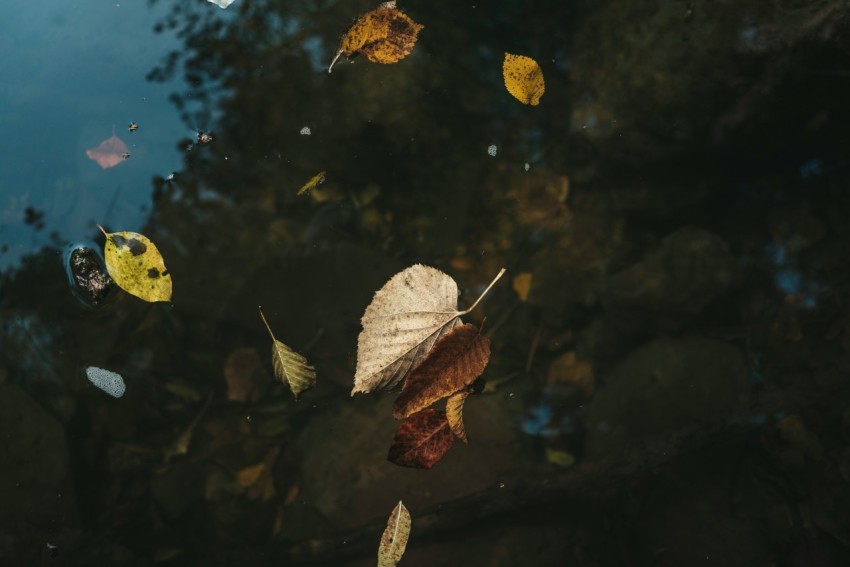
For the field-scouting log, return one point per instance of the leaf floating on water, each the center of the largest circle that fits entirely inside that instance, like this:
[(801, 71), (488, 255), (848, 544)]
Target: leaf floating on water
[(383, 35), (523, 78), (522, 286), (110, 382), (314, 182), (109, 153), (395, 536), (222, 3), (454, 414), (407, 316), (454, 363), (289, 366), (421, 440), (135, 264)]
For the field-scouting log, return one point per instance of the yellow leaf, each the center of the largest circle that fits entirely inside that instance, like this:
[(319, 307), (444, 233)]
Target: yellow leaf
[(395, 536), (314, 182), (136, 266), (454, 414), (289, 366), (383, 35), (560, 458), (523, 78), (522, 285)]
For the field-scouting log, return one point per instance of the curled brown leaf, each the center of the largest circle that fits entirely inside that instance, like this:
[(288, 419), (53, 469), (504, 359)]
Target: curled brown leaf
[(454, 363), (421, 440)]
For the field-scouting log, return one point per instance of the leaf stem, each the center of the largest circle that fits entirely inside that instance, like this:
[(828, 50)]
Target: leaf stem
[(499, 275), (338, 53), (260, 307), (103, 231)]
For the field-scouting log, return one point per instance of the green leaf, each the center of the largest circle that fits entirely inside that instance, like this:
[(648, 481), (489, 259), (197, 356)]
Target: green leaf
[(289, 366)]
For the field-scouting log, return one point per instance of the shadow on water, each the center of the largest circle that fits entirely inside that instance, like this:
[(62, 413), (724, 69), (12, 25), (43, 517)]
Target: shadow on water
[(668, 380)]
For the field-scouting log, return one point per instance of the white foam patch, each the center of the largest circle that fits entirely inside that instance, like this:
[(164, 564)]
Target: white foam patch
[(221, 4), (492, 150), (110, 382), (305, 131)]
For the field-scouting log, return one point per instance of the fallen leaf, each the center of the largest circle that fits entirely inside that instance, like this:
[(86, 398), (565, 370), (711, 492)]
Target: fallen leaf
[(314, 182), (394, 538), (383, 35), (256, 481), (289, 366), (243, 370), (421, 440), (560, 458), (522, 285), (110, 382), (135, 264), (109, 153), (523, 78), (454, 363), (454, 414), (407, 316), (577, 374)]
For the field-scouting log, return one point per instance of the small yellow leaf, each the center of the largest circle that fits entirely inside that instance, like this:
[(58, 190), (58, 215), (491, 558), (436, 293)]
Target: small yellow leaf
[(289, 366), (136, 265), (383, 35), (560, 458), (314, 182), (454, 414), (523, 78), (395, 536), (522, 285)]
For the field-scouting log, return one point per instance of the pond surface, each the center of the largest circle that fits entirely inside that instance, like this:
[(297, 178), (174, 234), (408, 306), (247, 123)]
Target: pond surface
[(669, 346)]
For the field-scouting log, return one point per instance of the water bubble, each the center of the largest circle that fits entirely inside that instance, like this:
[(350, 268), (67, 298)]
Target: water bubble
[(492, 149)]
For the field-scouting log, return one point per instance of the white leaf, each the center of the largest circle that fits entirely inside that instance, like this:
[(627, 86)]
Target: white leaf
[(400, 327), (110, 382)]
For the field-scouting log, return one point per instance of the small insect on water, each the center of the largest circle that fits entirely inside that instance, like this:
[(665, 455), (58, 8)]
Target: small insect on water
[(204, 137), (125, 155), (133, 127)]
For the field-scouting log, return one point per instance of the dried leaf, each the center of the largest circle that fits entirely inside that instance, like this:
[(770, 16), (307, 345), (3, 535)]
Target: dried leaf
[(454, 363), (407, 316), (394, 539), (454, 414), (383, 35), (523, 78), (109, 153), (314, 182), (560, 458), (135, 264), (421, 440), (243, 371), (289, 366)]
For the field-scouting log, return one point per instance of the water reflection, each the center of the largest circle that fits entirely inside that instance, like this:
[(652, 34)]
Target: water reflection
[(670, 382)]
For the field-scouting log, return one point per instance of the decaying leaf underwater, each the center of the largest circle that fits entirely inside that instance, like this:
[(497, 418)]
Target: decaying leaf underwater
[(136, 265), (289, 366), (383, 35)]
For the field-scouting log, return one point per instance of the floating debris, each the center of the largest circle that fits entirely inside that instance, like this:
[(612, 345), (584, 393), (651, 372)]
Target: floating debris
[(90, 283), (110, 382), (222, 3), (527, 166), (204, 137), (492, 150), (305, 131), (133, 127)]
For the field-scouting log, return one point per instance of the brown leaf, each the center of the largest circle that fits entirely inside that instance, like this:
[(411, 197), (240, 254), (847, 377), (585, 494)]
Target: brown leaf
[(454, 363), (109, 153), (244, 373), (421, 440), (454, 414), (383, 35)]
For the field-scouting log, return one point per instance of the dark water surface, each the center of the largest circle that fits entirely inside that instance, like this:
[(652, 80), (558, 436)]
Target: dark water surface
[(669, 381)]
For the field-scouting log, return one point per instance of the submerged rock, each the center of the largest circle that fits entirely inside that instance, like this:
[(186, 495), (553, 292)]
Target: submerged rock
[(667, 387), (689, 268)]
